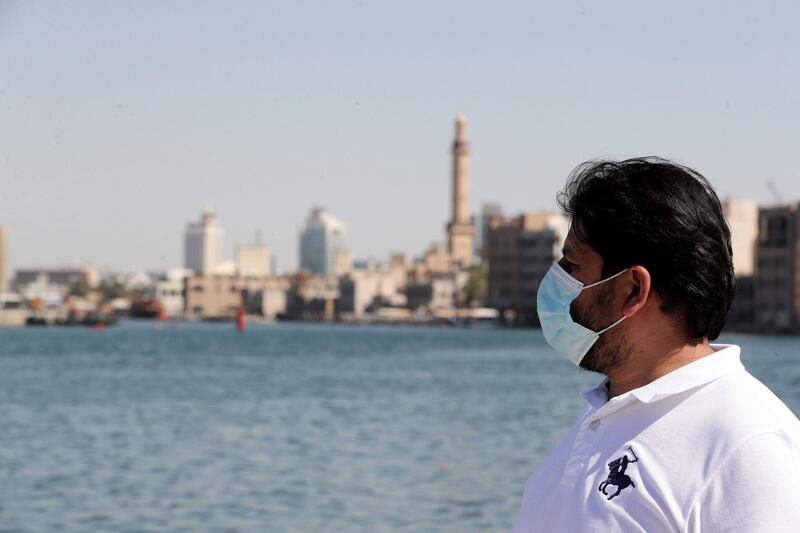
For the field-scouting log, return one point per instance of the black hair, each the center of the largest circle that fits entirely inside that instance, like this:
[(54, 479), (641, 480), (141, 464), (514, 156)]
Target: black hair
[(665, 217)]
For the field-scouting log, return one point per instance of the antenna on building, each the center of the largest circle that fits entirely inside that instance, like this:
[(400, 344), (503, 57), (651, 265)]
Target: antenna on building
[(258, 237), (774, 190)]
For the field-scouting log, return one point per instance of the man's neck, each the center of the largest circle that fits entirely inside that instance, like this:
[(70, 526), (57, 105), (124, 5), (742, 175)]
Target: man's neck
[(647, 365)]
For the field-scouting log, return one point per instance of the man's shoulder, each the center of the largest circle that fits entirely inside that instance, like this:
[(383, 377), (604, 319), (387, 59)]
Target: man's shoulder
[(737, 407)]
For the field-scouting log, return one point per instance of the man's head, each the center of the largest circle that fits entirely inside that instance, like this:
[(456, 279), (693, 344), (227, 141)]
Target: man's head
[(664, 223)]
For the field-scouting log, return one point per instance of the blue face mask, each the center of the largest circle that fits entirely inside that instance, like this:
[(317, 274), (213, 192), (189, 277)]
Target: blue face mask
[(556, 292)]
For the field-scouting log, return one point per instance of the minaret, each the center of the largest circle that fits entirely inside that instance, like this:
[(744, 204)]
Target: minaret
[(460, 233)]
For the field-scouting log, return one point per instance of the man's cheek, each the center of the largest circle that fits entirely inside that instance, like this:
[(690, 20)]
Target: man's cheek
[(577, 313)]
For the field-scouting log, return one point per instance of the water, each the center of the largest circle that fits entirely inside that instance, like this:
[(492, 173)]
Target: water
[(288, 427)]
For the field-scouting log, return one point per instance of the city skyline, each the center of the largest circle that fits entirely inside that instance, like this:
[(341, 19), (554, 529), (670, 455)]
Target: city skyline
[(118, 123)]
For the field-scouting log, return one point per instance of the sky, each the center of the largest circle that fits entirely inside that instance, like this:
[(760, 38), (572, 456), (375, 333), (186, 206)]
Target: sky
[(121, 121)]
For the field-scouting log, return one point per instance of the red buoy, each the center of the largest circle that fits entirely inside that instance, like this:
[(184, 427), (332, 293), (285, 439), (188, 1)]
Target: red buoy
[(240, 319)]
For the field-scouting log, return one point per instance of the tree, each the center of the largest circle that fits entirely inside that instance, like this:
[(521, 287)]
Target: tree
[(112, 289), (475, 286), (79, 288)]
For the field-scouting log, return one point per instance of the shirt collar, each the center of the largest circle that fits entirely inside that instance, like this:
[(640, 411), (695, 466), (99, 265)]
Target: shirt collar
[(724, 360)]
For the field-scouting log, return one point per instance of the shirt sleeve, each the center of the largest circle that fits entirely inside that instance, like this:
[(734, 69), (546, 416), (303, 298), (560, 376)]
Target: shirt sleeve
[(757, 488)]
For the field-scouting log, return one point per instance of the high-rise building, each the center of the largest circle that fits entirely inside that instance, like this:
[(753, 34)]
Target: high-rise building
[(203, 244), (742, 217), (323, 245), (520, 252), (777, 279), (460, 232), (3, 259)]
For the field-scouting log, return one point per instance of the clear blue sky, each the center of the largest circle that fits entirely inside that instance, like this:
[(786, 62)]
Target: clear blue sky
[(120, 121)]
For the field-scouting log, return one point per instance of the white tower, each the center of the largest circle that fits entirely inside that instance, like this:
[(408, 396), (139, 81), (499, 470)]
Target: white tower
[(460, 232), (203, 241), (323, 245)]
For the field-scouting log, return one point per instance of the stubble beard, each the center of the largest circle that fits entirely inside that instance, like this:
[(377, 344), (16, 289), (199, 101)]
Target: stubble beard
[(610, 351)]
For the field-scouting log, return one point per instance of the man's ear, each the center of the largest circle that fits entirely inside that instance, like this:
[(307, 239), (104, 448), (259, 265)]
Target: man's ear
[(637, 280)]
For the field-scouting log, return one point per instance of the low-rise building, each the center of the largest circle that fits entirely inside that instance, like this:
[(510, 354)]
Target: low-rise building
[(169, 291), (374, 285), (520, 252), (219, 296), (311, 297), (274, 297), (56, 279), (437, 293)]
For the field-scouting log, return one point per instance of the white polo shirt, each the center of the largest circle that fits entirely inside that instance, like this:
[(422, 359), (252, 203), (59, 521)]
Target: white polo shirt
[(706, 447)]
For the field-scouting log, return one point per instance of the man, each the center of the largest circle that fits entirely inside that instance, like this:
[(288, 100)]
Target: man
[(679, 436)]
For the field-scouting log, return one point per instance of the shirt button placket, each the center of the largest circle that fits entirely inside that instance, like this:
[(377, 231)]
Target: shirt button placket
[(584, 444)]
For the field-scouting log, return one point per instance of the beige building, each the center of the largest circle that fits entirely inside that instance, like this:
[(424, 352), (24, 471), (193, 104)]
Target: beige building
[(399, 265), (252, 260), (3, 259), (436, 259), (742, 217), (777, 279), (274, 297), (460, 231), (213, 296), (520, 252), (221, 296), (342, 261)]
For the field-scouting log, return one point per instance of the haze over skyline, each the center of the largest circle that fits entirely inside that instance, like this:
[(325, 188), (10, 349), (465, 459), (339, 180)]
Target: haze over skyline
[(120, 122)]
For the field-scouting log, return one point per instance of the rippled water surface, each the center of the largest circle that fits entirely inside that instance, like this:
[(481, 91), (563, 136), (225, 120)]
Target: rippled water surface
[(295, 427)]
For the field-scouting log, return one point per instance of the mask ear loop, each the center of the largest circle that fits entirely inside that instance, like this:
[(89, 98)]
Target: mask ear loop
[(604, 280), (612, 325)]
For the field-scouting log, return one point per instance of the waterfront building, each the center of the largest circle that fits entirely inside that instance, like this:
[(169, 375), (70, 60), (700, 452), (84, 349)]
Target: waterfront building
[(55, 280), (323, 245), (203, 244), (367, 288), (169, 290), (434, 294), (777, 278), (460, 231), (520, 252), (219, 296), (253, 260), (274, 296), (311, 297)]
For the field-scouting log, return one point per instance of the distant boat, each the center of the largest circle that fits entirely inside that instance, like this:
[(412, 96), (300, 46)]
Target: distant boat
[(146, 307), (35, 321), (99, 320)]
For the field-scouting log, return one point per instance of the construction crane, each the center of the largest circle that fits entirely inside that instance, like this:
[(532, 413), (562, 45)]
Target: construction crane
[(775, 192)]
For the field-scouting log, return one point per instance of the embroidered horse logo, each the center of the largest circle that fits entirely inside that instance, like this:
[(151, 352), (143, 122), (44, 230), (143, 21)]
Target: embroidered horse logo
[(616, 474)]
